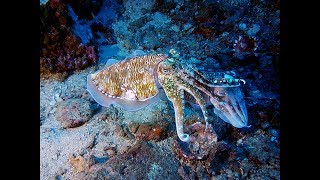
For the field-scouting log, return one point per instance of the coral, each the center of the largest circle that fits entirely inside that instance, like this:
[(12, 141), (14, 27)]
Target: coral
[(207, 32), (78, 163), (196, 155), (45, 73), (101, 34), (60, 51)]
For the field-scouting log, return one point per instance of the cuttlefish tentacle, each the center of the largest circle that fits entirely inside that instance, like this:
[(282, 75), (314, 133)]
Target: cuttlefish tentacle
[(178, 110), (174, 84), (218, 79), (236, 108), (231, 111), (221, 88), (219, 104), (240, 103), (229, 108), (187, 86)]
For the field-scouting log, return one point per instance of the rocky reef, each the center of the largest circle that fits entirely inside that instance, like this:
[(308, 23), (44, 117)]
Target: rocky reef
[(80, 139)]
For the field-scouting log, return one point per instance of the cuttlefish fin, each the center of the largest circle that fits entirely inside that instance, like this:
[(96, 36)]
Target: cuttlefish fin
[(138, 53), (134, 54), (110, 62)]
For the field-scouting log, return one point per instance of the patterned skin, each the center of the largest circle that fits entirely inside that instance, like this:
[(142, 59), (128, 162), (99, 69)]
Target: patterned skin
[(132, 84), (221, 88), (132, 79)]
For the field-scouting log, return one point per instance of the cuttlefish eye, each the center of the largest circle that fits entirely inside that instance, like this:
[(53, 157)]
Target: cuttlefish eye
[(166, 68), (166, 71)]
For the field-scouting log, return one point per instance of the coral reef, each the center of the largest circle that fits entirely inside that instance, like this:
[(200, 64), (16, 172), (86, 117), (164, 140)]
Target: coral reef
[(60, 50), (231, 37)]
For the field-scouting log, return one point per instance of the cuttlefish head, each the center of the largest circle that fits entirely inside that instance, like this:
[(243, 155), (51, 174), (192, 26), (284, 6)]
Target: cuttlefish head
[(166, 77), (220, 88), (223, 90), (230, 106)]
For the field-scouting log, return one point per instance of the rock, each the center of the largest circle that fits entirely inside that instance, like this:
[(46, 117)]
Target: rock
[(150, 131), (254, 30), (242, 26), (110, 152), (187, 26), (43, 2), (265, 125), (133, 127), (142, 161), (129, 44), (175, 28), (78, 164), (150, 39), (73, 112), (203, 143), (138, 23), (273, 132), (119, 131), (198, 153)]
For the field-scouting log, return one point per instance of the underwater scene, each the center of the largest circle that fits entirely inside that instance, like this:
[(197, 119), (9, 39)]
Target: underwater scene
[(159, 89)]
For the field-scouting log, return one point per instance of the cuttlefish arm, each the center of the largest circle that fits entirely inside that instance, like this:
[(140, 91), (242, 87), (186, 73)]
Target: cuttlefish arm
[(178, 110), (222, 89), (174, 93), (196, 95)]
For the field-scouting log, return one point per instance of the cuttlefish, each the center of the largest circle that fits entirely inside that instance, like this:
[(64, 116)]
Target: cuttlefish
[(138, 81)]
